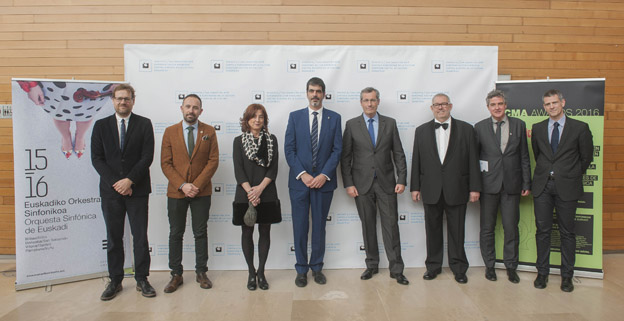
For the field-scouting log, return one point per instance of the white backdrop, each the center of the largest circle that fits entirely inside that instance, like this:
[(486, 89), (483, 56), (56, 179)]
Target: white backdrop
[(229, 78)]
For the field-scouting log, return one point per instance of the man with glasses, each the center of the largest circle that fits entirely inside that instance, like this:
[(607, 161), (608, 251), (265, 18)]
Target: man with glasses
[(563, 149), (445, 175), (506, 174), (122, 150), (371, 150)]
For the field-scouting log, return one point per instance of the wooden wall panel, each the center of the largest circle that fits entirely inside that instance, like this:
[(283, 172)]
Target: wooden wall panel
[(536, 38)]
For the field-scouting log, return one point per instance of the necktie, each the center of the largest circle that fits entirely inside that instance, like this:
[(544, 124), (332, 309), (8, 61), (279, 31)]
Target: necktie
[(314, 138), (498, 133), (371, 131), (554, 138), (444, 125), (191, 141), (122, 134)]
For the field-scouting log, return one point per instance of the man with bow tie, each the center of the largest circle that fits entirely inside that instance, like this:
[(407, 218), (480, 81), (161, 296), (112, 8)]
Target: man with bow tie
[(445, 175)]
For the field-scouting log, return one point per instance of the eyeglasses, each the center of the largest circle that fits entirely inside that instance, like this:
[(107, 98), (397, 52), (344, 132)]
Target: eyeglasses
[(441, 105), (124, 99), (366, 101)]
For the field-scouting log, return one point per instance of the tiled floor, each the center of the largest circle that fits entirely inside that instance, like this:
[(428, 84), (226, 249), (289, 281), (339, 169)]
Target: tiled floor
[(345, 297)]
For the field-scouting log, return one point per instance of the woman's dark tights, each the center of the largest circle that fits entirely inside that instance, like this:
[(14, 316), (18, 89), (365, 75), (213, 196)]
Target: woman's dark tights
[(264, 242)]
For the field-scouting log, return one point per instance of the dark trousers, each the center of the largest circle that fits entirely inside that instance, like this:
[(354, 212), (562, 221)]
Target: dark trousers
[(455, 222), (367, 205), (566, 212), (177, 210), (114, 210), (510, 216), (310, 204)]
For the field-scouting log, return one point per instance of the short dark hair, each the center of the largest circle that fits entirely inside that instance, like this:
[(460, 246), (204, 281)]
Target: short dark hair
[(315, 81), (553, 92), (249, 113), (192, 96), (495, 93), (124, 87)]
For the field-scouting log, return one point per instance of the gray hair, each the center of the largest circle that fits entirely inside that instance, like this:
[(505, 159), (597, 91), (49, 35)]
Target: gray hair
[(553, 92), (495, 93), (441, 95), (369, 90)]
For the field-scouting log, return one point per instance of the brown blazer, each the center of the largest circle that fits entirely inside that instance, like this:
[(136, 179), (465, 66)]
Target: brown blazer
[(177, 166)]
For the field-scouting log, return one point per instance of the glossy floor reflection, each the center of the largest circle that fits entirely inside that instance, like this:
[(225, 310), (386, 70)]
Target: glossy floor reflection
[(345, 297)]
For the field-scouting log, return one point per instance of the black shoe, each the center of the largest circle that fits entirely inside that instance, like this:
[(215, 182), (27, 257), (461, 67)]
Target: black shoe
[(111, 291), (319, 277), (461, 278), (301, 280), (251, 282), (540, 281), (368, 273), (400, 278), (431, 274), (146, 289), (513, 276), (490, 274), (566, 285), (262, 282)]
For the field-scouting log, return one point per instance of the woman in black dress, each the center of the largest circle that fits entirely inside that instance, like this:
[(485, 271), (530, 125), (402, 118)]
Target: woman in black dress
[(255, 155)]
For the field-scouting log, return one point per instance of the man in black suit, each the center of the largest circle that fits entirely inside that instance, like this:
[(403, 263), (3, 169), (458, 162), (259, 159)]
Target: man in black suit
[(122, 150), (445, 175), (370, 147), (563, 149), (506, 174)]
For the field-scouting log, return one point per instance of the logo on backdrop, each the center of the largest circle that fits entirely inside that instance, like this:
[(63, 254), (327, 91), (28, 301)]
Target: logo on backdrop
[(145, 65), (179, 97), (258, 97), (292, 66), (362, 65), (217, 66), (437, 66), (402, 97)]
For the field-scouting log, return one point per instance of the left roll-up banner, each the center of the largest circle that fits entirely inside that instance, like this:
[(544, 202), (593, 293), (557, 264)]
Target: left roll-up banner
[(60, 234)]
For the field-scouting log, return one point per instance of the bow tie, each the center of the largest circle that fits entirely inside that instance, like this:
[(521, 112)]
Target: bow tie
[(444, 125)]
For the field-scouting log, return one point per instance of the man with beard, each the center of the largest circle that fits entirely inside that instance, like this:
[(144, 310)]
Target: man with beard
[(312, 147), (122, 150), (189, 159)]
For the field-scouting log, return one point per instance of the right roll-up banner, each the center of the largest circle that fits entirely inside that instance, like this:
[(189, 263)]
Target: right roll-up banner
[(584, 101)]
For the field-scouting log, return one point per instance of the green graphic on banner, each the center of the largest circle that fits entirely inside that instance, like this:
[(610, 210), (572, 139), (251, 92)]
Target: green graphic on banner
[(585, 102)]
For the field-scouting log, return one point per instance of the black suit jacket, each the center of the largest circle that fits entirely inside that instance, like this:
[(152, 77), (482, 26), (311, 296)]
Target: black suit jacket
[(360, 161), (458, 176), (574, 154), (510, 169), (112, 164)]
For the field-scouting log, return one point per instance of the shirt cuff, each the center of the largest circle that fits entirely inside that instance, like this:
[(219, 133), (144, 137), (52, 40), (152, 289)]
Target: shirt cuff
[(299, 176)]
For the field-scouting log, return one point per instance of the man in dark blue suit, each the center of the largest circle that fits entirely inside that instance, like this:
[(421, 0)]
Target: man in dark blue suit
[(122, 150), (563, 148), (312, 147)]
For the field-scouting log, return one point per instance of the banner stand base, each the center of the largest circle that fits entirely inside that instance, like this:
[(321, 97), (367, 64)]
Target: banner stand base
[(19, 287), (555, 271)]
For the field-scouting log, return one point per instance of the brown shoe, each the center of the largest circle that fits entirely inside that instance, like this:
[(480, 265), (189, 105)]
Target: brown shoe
[(203, 280), (172, 286)]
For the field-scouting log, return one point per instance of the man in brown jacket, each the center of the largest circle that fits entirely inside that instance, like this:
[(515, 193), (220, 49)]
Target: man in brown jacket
[(189, 159)]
